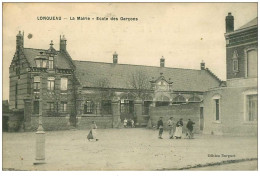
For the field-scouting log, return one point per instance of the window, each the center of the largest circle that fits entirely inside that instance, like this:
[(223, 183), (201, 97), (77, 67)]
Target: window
[(36, 107), (50, 62), (216, 99), (217, 109), (64, 84), (251, 109), (235, 62), (106, 107), (127, 106), (64, 106), (50, 106), (44, 63), (146, 107), (252, 63), (89, 107), (36, 83), (51, 82), (38, 62)]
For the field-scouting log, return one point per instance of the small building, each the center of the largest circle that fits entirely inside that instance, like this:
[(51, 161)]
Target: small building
[(232, 108)]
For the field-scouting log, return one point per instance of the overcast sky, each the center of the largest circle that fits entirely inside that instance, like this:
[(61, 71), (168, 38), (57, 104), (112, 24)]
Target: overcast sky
[(184, 33)]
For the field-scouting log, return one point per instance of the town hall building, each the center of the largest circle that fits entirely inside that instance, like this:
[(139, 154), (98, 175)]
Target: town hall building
[(65, 93)]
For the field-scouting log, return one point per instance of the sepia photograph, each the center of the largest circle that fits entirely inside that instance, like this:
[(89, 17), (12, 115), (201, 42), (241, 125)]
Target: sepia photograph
[(130, 86)]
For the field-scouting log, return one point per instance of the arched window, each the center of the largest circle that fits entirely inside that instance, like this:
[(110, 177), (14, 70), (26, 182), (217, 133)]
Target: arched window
[(179, 99), (89, 107)]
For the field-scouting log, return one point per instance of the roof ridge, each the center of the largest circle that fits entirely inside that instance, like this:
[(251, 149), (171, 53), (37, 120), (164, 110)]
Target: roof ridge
[(136, 65), (39, 49)]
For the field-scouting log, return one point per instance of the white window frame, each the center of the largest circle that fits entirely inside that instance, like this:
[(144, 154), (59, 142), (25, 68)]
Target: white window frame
[(65, 88), (51, 60), (214, 98), (235, 62), (246, 94), (51, 80), (246, 63)]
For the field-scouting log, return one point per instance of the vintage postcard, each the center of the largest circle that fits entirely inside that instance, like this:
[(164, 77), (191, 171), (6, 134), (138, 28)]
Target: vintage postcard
[(130, 86)]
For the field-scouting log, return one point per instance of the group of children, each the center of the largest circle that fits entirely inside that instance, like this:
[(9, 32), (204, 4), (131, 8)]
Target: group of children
[(129, 123), (178, 131)]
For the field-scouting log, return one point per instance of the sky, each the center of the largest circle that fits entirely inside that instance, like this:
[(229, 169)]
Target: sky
[(184, 33)]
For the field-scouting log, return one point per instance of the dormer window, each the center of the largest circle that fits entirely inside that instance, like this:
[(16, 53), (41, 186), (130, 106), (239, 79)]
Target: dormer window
[(41, 60), (38, 63), (44, 63), (50, 62)]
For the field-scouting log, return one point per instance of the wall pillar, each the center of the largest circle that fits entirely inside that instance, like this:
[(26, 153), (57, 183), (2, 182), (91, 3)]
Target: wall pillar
[(27, 113), (79, 111), (116, 122), (138, 111)]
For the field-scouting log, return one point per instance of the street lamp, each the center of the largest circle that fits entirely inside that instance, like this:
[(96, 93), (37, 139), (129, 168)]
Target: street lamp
[(40, 135)]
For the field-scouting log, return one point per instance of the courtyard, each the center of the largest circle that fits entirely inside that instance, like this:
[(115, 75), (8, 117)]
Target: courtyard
[(129, 149)]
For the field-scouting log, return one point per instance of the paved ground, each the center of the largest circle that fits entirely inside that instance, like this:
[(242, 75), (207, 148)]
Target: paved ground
[(127, 149)]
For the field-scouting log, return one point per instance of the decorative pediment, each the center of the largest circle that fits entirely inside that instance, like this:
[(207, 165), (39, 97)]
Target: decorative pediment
[(161, 84)]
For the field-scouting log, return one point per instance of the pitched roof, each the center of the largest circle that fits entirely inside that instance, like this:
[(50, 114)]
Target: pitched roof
[(60, 60), (119, 75), (250, 24)]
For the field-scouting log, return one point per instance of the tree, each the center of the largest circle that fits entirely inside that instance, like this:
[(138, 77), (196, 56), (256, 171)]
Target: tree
[(139, 81)]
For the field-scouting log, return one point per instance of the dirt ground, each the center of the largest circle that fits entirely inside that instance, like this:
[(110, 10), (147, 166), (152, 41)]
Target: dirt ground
[(128, 149)]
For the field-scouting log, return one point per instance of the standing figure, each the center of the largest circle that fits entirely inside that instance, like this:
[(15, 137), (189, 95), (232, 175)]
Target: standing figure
[(93, 132), (178, 132), (133, 123), (190, 129), (160, 127), (125, 122), (170, 124)]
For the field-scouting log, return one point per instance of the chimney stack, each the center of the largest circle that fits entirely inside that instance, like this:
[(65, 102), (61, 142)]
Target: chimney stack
[(229, 23), (115, 58), (63, 43), (202, 65), (162, 62), (19, 41)]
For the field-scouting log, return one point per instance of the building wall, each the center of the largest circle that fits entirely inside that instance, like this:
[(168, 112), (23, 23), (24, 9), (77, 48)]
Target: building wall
[(239, 41), (21, 80), (185, 111), (232, 111)]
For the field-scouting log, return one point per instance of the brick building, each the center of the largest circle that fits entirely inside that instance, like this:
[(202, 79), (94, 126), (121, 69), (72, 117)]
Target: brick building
[(70, 93), (232, 108)]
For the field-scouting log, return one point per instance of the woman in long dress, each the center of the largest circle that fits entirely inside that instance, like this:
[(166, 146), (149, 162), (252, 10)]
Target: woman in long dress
[(93, 131), (178, 132)]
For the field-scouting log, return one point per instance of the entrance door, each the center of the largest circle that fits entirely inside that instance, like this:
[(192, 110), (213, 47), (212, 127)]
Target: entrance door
[(201, 118)]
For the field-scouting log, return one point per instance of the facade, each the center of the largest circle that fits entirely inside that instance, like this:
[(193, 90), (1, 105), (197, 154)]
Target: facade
[(69, 93), (232, 108)]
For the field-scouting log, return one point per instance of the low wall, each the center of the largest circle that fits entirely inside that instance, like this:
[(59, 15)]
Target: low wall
[(184, 111), (102, 122), (49, 123)]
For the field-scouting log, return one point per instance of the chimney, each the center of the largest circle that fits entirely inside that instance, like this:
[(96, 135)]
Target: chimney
[(162, 62), (19, 40), (63, 43), (115, 58), (202, 65), (229, 23)]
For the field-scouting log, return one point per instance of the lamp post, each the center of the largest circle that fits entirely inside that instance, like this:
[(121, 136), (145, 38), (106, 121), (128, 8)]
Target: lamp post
[(40, 135)]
